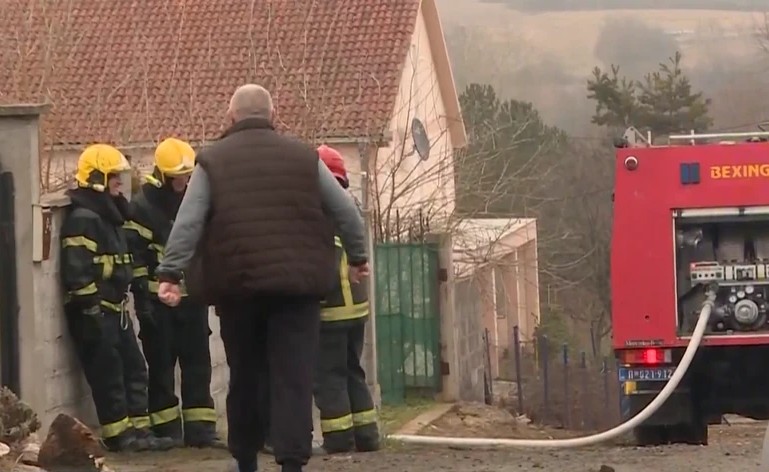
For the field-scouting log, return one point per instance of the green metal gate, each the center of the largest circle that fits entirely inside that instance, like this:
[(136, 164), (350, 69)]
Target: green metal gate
[(407, 319)]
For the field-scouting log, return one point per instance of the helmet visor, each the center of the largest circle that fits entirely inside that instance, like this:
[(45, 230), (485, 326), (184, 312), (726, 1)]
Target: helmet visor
[(185, 167)]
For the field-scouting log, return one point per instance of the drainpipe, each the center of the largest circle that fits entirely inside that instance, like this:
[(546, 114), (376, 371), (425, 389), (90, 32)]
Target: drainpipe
[(364, 148)]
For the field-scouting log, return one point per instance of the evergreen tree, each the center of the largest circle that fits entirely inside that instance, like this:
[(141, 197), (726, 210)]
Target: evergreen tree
[(663, 102), (668, 103)]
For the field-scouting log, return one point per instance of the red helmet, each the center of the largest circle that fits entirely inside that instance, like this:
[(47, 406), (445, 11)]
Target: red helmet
[(335, 163)]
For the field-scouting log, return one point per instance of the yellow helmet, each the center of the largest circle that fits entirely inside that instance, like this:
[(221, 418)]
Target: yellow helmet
[(173, 157), (96, 163)]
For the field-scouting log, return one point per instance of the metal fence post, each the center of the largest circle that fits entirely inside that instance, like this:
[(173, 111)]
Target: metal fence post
[(605, 371), (585, 396), (488, 381), (566, 402), (518, 379), (619, 387), (545, 347)]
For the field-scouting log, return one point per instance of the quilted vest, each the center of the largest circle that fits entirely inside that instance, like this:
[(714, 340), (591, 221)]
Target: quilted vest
[(267, 233)]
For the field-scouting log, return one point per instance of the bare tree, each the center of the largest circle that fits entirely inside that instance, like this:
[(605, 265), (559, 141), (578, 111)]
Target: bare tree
[(413, 193), (575, 269)]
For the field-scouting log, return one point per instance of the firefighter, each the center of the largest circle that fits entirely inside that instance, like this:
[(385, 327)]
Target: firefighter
[(347, 415), (170, 334), (96, 270)]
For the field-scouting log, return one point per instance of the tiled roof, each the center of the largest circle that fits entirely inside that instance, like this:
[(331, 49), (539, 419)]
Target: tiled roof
[(134, 71)]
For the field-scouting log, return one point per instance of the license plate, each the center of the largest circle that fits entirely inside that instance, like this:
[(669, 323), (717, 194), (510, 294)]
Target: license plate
[(646, 373)]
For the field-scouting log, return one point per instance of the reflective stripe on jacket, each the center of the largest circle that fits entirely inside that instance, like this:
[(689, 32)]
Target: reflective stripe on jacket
[(148, 232), (96, 265), (347, 301)]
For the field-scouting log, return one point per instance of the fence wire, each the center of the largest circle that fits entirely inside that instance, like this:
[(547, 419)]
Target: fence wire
[(553, 387)]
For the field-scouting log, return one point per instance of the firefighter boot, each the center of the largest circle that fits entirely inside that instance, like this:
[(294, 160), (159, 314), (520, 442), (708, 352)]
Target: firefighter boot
[(211, 442), (172, 430), (150, 442), (127, 441), (367, 437), (202, 434)]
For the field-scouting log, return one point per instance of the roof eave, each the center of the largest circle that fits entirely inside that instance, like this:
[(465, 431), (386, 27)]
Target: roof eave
[(380, 140), (446, 83)]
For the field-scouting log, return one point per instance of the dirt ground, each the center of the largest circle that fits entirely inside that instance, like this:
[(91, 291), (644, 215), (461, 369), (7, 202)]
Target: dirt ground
[(735, 447), (479, 420)]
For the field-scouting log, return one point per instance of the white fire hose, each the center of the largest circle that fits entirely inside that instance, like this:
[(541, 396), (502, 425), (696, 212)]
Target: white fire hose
[(643, 415)]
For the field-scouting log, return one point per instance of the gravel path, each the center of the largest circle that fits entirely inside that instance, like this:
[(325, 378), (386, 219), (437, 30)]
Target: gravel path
[(734, 447)]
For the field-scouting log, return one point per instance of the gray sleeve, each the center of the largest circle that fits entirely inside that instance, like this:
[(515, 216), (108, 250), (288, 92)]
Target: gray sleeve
[(340, 206), (188, 227)]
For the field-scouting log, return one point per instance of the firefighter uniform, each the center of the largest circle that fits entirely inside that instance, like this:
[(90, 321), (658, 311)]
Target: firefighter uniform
[(348, 416), (170, 334), (96, 270)]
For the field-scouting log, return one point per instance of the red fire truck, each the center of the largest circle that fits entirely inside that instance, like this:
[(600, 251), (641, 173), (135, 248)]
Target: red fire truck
[(691, 216)]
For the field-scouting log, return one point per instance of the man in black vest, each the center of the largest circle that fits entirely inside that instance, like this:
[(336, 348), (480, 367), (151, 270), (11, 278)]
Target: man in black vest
[(254, 236)]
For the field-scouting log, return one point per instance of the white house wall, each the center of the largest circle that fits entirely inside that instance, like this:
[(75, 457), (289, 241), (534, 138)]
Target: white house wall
[(419, 185)]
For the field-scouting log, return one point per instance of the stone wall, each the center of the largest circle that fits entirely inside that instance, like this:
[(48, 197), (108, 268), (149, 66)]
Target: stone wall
[(463, 354)]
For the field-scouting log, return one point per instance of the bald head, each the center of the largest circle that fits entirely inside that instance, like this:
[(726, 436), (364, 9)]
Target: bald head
[(250, 100)]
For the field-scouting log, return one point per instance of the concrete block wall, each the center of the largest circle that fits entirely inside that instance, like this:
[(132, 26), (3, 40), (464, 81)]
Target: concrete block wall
[(462, 347), (469, 326), (63, 386)]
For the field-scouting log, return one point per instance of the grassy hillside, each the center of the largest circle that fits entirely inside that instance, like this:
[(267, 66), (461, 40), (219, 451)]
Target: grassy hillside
[(546, 57), (570, 37), (564, 5)]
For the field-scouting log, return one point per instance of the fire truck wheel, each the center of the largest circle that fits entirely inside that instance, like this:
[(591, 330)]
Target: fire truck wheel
[(650, 435)]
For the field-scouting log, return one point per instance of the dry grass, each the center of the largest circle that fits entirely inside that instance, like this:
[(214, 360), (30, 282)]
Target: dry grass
[(476, 420), (394, 417)]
